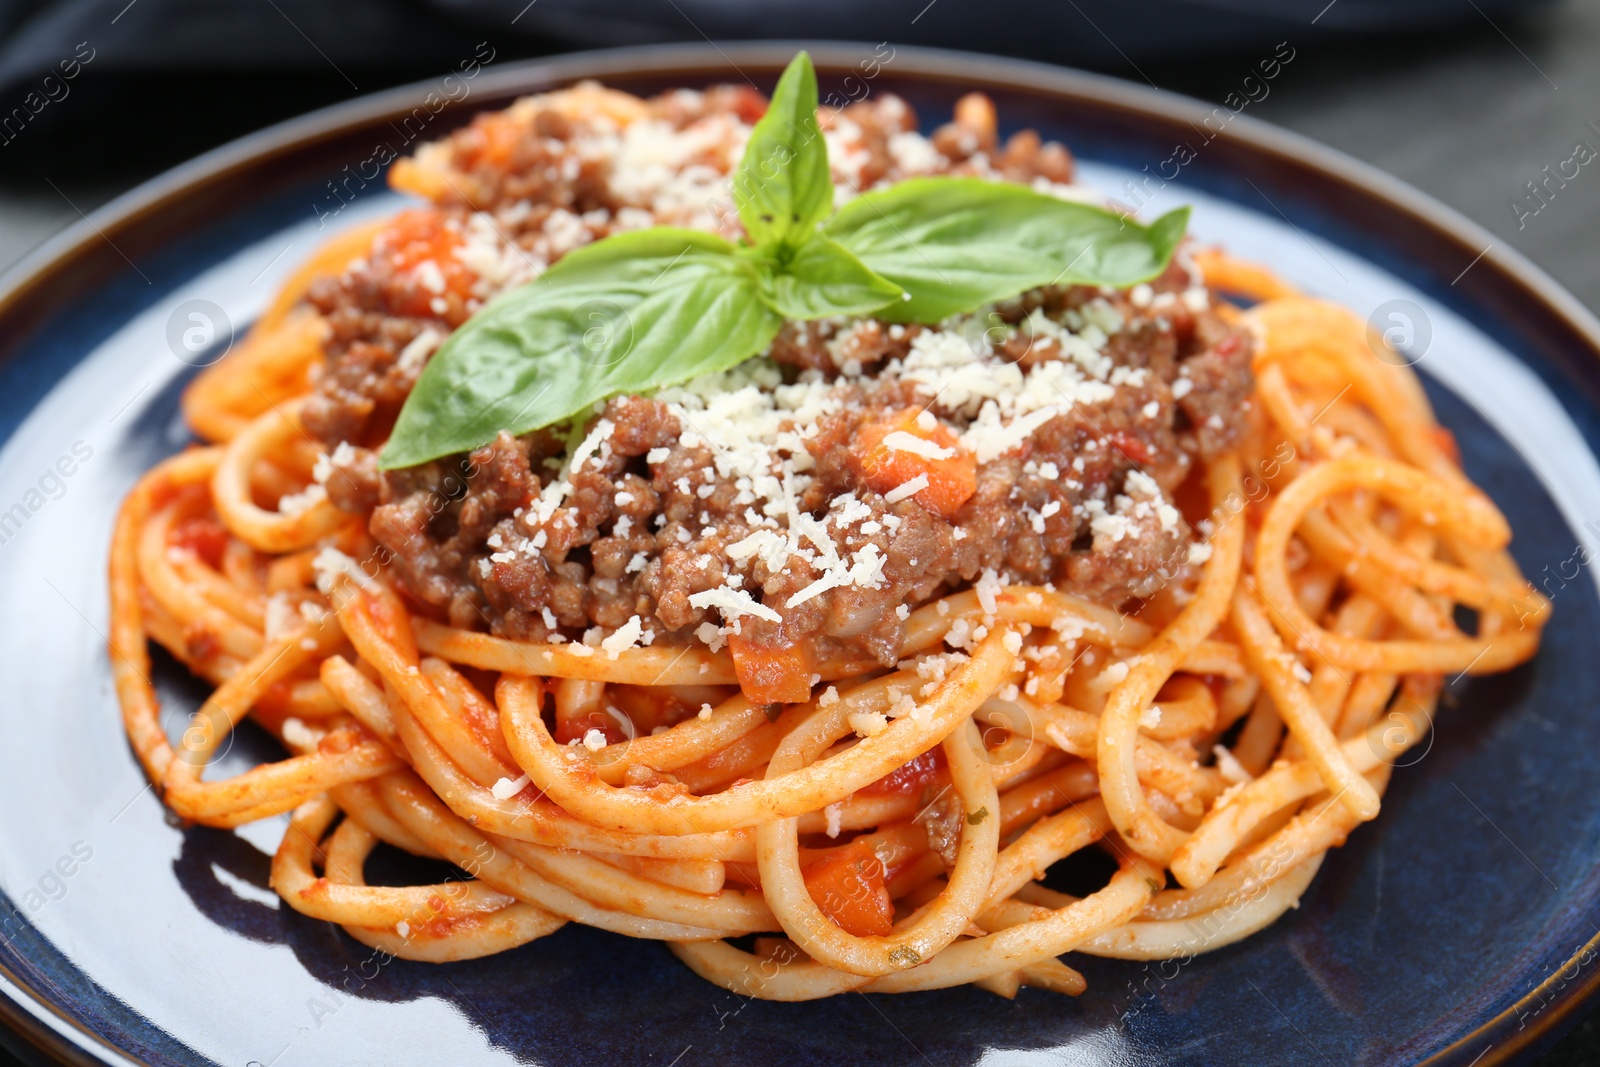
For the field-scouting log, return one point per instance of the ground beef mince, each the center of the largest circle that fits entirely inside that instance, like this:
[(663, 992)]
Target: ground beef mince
[(690, 497), (813, 495)]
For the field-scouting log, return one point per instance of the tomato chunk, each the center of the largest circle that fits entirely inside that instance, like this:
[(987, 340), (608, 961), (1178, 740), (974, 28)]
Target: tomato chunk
[(577, 727), (203, 535), (912, 444), (748, 104), (911, 776), (847, 884), (1130, 446), (417, 237), (780, 675)]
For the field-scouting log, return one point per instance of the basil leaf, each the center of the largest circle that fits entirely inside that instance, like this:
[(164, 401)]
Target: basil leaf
[(957, 243), (783, 187), (824, 278), (633, 312)]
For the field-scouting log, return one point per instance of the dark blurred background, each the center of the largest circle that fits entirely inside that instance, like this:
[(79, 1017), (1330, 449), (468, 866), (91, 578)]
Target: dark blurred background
[(1466, 99)]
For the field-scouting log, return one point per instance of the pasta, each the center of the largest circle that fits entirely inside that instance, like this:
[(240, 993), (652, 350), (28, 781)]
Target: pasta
[(1216, 742)]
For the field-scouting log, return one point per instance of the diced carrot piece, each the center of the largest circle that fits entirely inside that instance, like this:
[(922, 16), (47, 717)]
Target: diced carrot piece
[(887, 455), (406, 175), (847, 884), (780, 675)]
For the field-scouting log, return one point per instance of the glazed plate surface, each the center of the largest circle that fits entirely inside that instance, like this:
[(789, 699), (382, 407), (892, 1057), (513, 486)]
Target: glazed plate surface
[(1456, 929)]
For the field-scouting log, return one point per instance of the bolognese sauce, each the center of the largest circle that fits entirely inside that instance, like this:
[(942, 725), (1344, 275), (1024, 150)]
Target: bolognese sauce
[(797, 507)]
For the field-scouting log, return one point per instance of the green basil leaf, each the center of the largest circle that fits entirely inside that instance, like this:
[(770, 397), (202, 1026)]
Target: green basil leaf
[(957, 243), (783, 187), (824, 278), (634, 312)]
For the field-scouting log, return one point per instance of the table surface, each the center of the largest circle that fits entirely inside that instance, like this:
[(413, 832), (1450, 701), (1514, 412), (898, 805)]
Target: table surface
[(1469, 116)]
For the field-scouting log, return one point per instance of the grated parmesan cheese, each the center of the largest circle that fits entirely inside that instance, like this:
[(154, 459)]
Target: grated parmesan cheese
[(834, 813), (292, 504), (1229, 766), (506, 788), (343, 455), (988, 588), (298, 734), (625, 637), (281, 617), (868, 723), (329, 564), (733, 603), (906, 490), (417, 351), (901, 441)]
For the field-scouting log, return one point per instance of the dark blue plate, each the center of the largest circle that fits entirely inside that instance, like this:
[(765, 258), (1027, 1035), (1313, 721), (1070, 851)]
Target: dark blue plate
[(1456, 929)]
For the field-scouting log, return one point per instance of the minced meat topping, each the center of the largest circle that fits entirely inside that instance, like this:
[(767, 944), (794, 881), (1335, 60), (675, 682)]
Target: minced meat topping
[(812, 495)]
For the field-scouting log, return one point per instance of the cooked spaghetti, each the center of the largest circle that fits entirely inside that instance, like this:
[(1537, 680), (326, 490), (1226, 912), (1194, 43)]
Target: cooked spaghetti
[(843, 648)]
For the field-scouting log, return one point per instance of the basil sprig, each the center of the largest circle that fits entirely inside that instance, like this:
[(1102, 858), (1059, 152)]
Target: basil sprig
[(642, 310), (954, 244), (783, 188)]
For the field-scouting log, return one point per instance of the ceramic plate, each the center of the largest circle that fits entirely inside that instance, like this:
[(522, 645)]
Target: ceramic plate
[(1454, 930)]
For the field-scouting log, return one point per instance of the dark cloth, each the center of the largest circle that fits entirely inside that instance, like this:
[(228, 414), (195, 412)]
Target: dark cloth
[(177, 36)]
